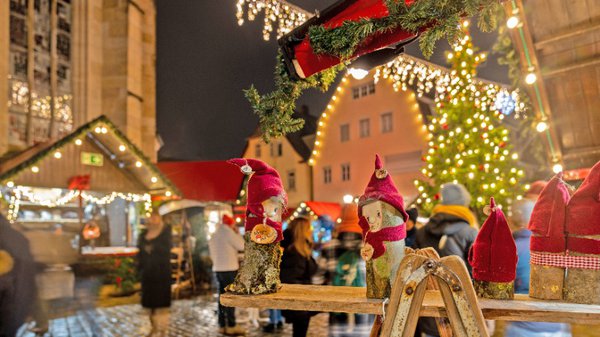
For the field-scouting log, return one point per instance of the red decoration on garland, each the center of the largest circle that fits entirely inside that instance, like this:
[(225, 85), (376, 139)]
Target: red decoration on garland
[(299, 56), (502, 144), (436, 196), (445, 126), (81, 183)]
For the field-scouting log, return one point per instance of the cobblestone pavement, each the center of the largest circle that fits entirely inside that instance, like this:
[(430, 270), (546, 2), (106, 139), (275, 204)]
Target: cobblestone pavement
[(195, 317)]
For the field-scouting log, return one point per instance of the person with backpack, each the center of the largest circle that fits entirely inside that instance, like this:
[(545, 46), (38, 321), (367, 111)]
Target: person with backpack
[(341, 261), (451, 230)]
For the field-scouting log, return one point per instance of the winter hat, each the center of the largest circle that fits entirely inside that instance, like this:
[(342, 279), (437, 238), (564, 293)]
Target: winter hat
[(455, 194), (381, 187), (548, 217), (413, 214), (521, 211), (349, 219), (263, 184), (583, 215), (227, 220), (493, 255)]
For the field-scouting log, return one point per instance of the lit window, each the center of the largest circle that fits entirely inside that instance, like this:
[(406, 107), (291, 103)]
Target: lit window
[(327, 174), (365, 127), (345, 172), (345, 132), (386, 122)]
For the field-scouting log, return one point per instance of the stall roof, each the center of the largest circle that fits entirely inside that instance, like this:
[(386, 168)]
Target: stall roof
[(98, 149), (205, 180)]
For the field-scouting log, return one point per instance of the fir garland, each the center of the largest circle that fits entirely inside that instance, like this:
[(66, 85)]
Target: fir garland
[(442, 17), (275, 109)]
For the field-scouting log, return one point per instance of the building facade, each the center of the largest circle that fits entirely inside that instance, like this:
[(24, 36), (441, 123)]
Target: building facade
[(66, 62), (289, 156), (365, 118)]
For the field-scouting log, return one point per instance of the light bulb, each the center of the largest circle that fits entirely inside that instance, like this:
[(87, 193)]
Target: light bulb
[(530, 78), (153, 179), (541, 126), (138, 164), (57, 155), (348, 199), (557, 168), (122, 148), (358, 73), (512, 22)]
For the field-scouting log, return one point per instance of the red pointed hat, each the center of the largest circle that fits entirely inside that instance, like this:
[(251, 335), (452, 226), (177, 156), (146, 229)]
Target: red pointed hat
[(264, 182), (381, 187), (548, 217), (583, 215), (493, 255)]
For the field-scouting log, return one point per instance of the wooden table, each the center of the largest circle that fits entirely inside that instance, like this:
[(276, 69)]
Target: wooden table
[(353, 300)]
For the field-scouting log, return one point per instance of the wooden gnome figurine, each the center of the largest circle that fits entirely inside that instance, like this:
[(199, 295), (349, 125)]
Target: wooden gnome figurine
[(493, 257), (582, 283), (382, 220), (548, 244), (259, 273)]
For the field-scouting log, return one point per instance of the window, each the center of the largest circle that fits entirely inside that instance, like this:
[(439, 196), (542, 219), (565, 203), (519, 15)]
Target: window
[(345, 172), (363, 90), (344, 132), (291, 178), (327, 174), (386, 122), (276, 149), (257, 151), (371, 88), (364, 127)]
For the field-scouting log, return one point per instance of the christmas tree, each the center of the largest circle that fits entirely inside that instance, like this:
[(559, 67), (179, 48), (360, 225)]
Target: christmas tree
[(468, 143)]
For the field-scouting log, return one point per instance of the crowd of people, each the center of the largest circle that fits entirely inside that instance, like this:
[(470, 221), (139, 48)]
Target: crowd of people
[(451, 230)]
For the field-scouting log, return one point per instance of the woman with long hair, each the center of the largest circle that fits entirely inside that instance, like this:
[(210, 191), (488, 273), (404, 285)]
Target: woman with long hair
[(298, 267)]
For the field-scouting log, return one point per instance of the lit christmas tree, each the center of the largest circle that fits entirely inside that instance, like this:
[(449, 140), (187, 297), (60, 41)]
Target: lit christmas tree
[(468, 143)]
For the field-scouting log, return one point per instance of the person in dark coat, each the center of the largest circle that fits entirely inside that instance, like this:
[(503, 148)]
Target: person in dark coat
[(155, 272), (298, 267), (451, 230), (411, 227), (17, 279)]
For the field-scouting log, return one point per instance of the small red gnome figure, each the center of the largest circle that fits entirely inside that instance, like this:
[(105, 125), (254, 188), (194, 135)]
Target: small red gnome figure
[(582, 283), (382, 220), (259, 273), (548, 241), (493, 257)]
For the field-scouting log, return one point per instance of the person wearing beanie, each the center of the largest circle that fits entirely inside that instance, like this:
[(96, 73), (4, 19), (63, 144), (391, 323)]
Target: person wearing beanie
[(451, 230), (266, 201), (223, 246), (521, 211), (340, 260), (382, 219), (493, 257)]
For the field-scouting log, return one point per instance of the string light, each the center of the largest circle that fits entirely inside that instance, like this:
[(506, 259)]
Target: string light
[(57, 155), (78, 142), (122, 148), (277, 13), (512, 22), (530, 78), (541, 126), (557, 168), (35, 169), (138, 164)]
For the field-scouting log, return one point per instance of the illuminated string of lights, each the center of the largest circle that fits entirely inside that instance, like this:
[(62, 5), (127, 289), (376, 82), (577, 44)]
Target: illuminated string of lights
[(302, 210), (279, 15), (515, 21), (407, 71)]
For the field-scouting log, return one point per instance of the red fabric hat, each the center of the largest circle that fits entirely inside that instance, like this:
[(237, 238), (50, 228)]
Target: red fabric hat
[(227, 220), (583, 215), (493, 255), (262, 185), (381, 187), (548, 217)]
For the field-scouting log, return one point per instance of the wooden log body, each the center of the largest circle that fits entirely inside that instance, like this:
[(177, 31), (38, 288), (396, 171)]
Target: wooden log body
[(495, 290), (259, 273), (582, 285), (382, 271), (546, 282)]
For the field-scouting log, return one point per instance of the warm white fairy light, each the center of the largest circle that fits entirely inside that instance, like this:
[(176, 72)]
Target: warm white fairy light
[(78, 142), (279, 15)]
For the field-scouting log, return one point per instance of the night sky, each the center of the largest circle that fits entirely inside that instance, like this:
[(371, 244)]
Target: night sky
[(205, 60)]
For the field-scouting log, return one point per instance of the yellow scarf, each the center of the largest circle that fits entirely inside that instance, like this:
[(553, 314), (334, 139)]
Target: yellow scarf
[(459, 211)]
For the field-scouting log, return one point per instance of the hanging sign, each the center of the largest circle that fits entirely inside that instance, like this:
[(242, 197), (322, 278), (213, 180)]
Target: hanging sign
[(92, 159)]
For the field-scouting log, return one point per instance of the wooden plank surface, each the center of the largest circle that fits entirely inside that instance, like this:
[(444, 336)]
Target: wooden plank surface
[(353, 300)]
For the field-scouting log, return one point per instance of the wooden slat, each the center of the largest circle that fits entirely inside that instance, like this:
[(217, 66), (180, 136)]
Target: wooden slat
[(353, 300)]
